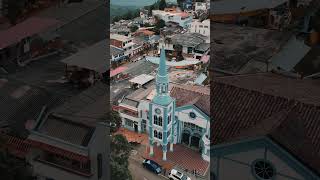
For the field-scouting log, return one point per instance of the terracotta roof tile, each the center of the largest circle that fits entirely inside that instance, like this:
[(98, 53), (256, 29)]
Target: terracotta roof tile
[(260, 106)]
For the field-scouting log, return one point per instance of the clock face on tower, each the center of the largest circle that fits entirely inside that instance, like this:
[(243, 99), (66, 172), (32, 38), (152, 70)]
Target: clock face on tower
[(158, 111)]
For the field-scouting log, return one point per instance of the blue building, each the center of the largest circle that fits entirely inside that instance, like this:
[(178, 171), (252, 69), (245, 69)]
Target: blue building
[(170, 113)]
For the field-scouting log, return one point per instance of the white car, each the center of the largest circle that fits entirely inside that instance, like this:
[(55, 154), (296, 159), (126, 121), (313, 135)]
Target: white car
[(177, 175)]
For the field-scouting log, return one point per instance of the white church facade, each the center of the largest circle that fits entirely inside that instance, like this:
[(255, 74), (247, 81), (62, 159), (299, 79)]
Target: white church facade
[(170, 114)]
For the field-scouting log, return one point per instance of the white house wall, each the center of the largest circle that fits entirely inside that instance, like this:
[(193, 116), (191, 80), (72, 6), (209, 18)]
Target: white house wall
[(199, 120)]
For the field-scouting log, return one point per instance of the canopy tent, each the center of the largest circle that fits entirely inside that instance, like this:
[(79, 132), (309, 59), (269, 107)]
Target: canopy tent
[(142, 79), (92, 58)]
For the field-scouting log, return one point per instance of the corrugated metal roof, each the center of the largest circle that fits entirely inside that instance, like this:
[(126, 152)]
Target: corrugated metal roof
[(93, 58), (290, 55)]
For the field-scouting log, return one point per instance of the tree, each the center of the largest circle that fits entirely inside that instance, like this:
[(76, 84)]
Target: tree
[(134, 28), (120, 152), (116, 120), (178, 48), (160, 24), (162, 4)]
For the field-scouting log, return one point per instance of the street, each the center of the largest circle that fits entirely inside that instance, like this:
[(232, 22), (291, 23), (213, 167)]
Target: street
[(139, 173)]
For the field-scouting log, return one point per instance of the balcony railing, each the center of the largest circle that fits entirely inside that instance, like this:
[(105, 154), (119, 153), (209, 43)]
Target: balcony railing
[(62, 166)]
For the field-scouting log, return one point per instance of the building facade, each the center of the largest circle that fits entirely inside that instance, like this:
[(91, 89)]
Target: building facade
[(202, 28), (182, 18), (168, 114)]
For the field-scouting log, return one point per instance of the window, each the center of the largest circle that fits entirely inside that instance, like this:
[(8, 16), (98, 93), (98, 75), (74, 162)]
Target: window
[(155, 119), (158, 111), (206, 26), (263, 170), (192, 115), (160, 135), (169, 131), (200, 26), (128, 122), (155, 134), (160, 121), (169, 119), (190, 49)]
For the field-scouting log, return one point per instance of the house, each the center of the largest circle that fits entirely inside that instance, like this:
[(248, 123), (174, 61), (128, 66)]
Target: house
[(201, 50), (187, 4), (201, 6), (144, 13), (261, 124), (20, 103), (123, 42), (170, 113), (88, 66), (188, 42), (201, 27), (16, 45), (70, 142), (173, 15), (117, 54)]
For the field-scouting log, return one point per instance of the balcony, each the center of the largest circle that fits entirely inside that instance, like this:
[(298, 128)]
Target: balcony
[(129, 113), (60, 169)]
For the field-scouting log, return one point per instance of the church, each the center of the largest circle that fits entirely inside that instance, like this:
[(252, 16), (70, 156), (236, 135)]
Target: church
[(169, 113)]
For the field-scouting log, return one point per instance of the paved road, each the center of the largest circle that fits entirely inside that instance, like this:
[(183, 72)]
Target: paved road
[(139, 173)]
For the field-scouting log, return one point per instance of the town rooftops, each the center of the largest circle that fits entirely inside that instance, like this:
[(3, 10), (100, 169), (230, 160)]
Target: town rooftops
[(19, 103), (238, 6), (25, 29), (188, 39), (72, 125), (92, 58), (283, 109)]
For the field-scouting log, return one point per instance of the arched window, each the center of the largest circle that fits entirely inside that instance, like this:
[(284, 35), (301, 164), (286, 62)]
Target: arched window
[(155, 119), (160, 135), (155, 133), (160, 121)]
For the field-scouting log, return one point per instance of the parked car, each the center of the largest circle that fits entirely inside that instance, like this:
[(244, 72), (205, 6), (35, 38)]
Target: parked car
[(152, 166), (177, 175)]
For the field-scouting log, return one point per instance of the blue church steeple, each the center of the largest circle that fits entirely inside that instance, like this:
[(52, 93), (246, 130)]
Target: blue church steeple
[(162, 82), (161, 111)]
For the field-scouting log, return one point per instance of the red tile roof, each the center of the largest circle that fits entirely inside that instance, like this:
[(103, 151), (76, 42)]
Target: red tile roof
[(187, 96), (263, 108)]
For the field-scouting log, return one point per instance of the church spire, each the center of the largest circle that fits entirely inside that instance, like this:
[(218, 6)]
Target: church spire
[(162, 64)]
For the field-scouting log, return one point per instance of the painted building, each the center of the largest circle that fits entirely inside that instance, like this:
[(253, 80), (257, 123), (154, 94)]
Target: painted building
[(204, 6), (170, 114), (117, 54), (124, 42), (171, 15), (201, 27), (188, 42), (261, 131)]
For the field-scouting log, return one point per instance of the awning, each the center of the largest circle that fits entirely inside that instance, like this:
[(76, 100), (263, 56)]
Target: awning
[(118, 70), (142, 79), (25, 29), (201, 78)]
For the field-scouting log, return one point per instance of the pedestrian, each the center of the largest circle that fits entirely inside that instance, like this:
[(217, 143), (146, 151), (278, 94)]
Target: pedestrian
[(164, 171)]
